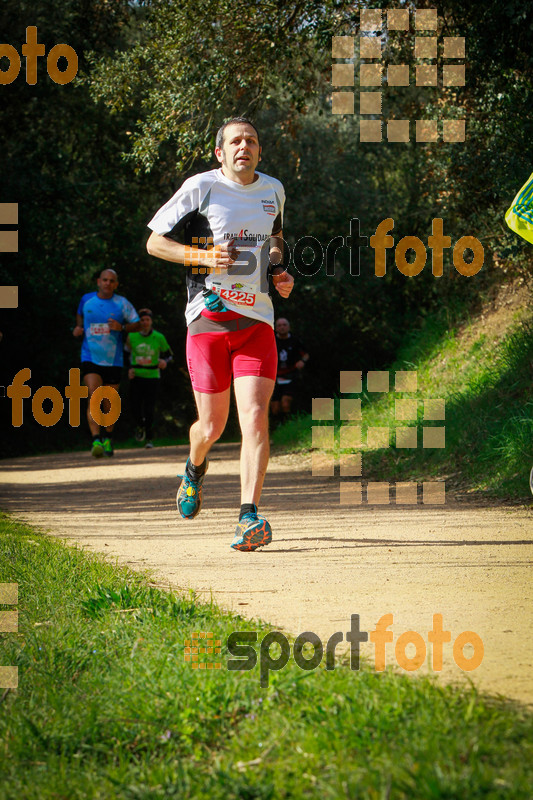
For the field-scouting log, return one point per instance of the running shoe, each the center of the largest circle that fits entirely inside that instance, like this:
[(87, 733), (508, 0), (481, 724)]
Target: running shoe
[(148, 445), (531, 480), (97, 449), (140, 434), (252, 531), (189, 496), (108, 447)]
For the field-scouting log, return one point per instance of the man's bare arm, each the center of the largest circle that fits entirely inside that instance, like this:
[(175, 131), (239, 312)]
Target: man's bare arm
[(78, 330), (128, 327), (283, 281), (221, 256), (161, 247), (276, 248)]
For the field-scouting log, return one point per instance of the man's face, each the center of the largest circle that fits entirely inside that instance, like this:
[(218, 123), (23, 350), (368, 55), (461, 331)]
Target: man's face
[(146, 323), (282, 328), (107, 283), (240, 153)]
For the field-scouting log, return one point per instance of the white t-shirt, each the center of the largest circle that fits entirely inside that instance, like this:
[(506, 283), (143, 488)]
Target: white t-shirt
[(210, 209)]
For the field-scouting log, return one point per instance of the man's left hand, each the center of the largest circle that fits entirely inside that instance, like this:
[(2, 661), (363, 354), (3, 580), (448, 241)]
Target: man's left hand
[(114, 324), (162, 364), (283, 283)]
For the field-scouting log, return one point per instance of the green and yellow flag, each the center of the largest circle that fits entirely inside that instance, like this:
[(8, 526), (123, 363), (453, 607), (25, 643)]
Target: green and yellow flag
[(519, 216)]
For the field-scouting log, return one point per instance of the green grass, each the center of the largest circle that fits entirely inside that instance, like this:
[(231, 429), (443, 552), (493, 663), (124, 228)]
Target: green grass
[(107, 707), (486, 383)]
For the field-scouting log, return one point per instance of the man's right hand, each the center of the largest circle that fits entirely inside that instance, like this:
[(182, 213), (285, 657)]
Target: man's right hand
[(78, 331), (220, 257)]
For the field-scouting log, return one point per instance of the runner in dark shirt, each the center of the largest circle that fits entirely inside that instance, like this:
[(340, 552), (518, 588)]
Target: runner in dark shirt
[(292, 357)]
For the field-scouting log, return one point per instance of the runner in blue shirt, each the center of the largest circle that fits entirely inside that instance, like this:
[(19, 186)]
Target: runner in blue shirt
[(101, 319)]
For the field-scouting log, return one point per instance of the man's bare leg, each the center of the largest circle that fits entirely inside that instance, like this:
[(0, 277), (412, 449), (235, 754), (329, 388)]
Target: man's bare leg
[(286, 404), (213, 412), (106, 406), (92, 381), (253, 395), (275, 407), (212, 416)]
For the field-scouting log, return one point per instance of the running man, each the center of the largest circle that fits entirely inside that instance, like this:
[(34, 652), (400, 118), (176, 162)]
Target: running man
[(230, 223), (149, 354), (101, 319), (292, 358)]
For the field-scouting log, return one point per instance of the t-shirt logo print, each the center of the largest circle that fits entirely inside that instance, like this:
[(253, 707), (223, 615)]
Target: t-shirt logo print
[(270, 207)]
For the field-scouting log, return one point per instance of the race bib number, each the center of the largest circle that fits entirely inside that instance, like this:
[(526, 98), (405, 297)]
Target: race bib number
[(237, 297), (99, 329), (141, 361)]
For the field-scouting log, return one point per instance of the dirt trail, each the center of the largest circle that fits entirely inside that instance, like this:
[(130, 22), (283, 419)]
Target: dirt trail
[(471, 564)]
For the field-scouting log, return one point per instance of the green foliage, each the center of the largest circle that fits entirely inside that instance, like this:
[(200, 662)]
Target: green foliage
[(489, 413), (196, 62)]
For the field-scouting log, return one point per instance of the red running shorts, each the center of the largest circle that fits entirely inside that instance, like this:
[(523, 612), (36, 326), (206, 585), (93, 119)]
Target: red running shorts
[(212, 358)]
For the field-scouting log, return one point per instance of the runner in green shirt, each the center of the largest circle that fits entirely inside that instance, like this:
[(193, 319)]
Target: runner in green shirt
[(149, 354)]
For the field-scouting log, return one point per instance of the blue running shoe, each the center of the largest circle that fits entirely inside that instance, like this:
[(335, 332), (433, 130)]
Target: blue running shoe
[(189, 496), (252, 531)]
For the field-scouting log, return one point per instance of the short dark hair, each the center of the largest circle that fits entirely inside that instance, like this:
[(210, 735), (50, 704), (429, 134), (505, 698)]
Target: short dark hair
[(108, 269), (219, 141)]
